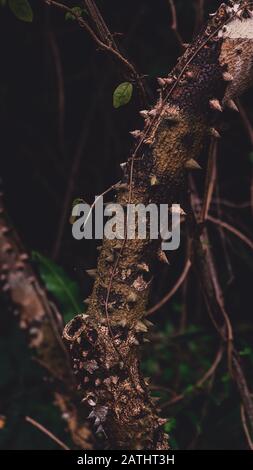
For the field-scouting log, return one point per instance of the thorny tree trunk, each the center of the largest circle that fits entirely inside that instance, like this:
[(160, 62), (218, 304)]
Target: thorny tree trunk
[(42, 323), (104, 344)]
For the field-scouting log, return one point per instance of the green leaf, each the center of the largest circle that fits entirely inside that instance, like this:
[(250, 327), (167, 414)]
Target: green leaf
[(122, 94), (247, 351), (58, 283), (77, 10), (170, 425), (22, 10), (251, 157)]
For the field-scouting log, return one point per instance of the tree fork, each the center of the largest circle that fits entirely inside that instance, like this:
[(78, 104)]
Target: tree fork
[(104, 344)]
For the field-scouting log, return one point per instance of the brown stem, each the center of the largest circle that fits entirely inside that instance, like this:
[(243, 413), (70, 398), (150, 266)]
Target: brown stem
[(108, 47)]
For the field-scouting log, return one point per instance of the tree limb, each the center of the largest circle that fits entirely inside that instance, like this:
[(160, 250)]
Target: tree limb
[(104, 345)]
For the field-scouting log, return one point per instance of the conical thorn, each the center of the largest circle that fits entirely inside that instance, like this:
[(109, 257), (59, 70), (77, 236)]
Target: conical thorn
[(228, 77), (231, 105), (215, 105), (214, 133), (192, 165)]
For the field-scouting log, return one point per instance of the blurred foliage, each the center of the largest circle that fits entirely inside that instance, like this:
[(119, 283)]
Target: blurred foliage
[(202, 417), (64, 290), (78, 10), (21, 9), (24, 391)]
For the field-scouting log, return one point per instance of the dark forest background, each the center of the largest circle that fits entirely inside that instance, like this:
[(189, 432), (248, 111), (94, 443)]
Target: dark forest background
[(56, 92)]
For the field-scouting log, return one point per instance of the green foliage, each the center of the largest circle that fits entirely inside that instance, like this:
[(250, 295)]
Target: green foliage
[(23, 392), (177, 363), (170, 425), (22, 10), (247, 351), (58, 283), (79, 11), (122, 94)]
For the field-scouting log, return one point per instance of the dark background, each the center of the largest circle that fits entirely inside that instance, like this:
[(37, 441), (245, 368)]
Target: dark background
[(56, 92)]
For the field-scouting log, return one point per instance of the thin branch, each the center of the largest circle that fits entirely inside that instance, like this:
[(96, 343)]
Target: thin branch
[(174, 25), (246, 121), (47, 432), (104, 46), (212, 369), (249, 130), (102, 29), (208, 375), (245, 428), (231, 229), (210, 179), (172, 292), (199, 17)]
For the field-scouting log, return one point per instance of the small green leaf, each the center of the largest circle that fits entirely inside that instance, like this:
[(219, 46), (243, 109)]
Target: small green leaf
[(247, 351), (22, 10), (122, 94), (189, 389), (77, 10), (58, 283), (170, 425)]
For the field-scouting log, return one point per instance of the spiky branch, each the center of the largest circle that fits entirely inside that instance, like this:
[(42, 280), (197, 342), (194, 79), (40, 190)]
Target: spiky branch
[(104, 344)]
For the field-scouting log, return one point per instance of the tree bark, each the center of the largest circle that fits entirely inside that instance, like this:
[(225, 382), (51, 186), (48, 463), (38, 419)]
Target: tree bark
[(42, 323), (104, 344)]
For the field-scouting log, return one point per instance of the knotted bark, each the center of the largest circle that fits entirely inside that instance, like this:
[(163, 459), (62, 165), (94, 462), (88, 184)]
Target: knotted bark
[(105, 343)]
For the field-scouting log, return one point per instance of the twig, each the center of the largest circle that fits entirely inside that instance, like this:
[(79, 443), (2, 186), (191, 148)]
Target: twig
[(210, 180), (60, 89), (102, 29), (175, 288), (210, 372), (174, 25), (104, 46), (231, 229), (232, 205), (245, 428), (47, 432), (212, 369), (245, 120), (204, 265), (199, 17), (249, 130)]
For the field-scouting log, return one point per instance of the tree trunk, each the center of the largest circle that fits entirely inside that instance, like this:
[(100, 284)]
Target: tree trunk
[(104, 344)]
